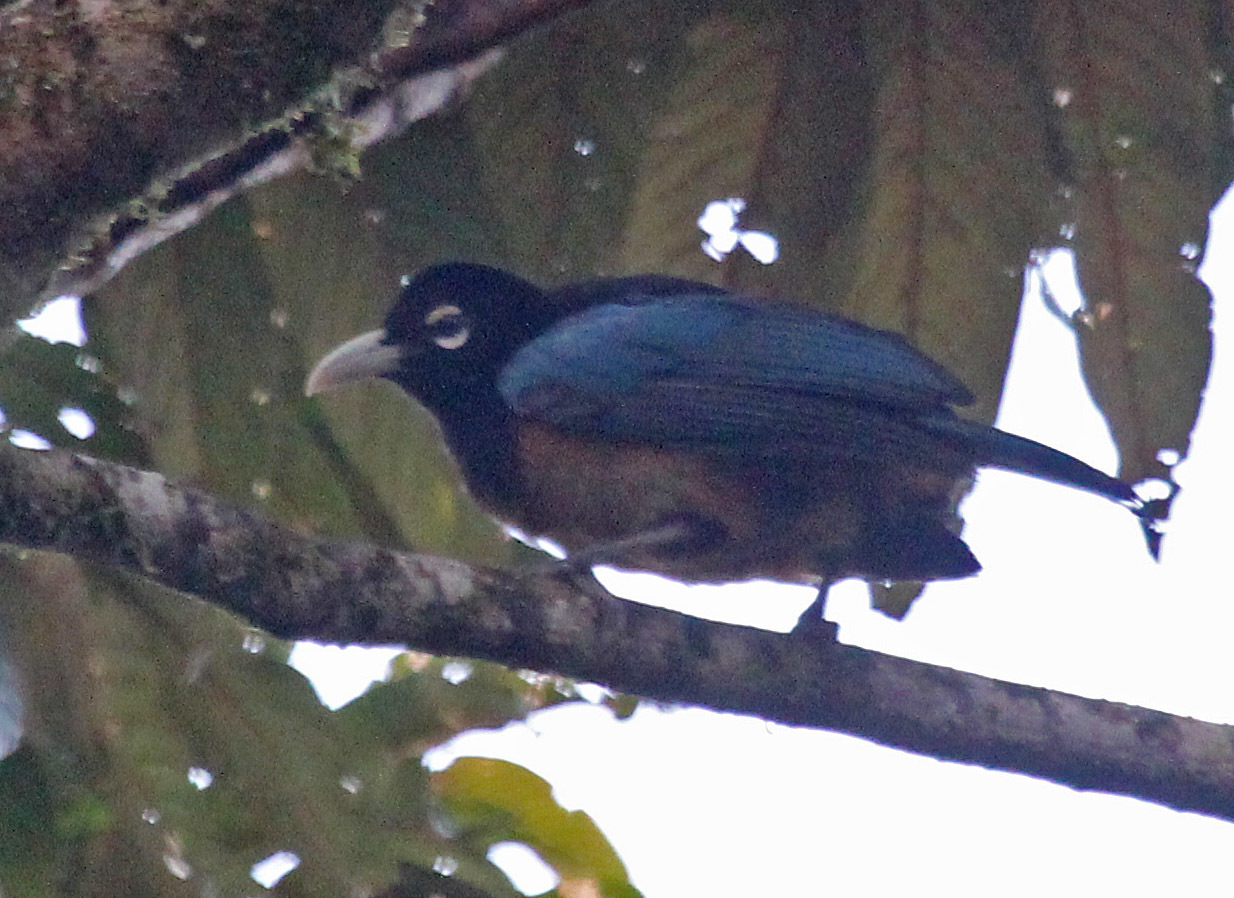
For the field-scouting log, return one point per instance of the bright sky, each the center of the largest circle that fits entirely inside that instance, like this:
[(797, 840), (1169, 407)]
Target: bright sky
[(699, 803)]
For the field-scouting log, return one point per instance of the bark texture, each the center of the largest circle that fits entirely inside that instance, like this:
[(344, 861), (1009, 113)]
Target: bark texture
[(114, 116), (298, 586)]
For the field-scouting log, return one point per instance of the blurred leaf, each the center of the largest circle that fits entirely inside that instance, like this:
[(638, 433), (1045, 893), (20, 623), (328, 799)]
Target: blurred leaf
[(560, 131), (708, 141), (12, 701), (220, 387), (38, 379), (813, 154), (497, 801), (135, 687), (28, 849), (906, 157), (426, 704), (1139, 127), (623, 706), (959, 188)]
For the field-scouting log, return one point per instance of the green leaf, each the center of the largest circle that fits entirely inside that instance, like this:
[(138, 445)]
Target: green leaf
[(220, 382), (497, 801), (708, 140), (130, 688), (558, 129), (959, 189), (429, 700), (1142, 141), (38, 379)]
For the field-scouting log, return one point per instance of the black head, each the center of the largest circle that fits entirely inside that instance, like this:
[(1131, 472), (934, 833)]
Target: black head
[(456, 325), (446, 338)]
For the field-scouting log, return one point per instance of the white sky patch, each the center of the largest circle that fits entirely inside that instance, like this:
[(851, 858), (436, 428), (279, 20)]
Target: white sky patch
[(761, 245), (719, 222), (340, 674), (28, 439), (1057, 271), (268, 872), (1169, 457), (57, 322), (592, 693), (456, 672), (527, 871), (77, 422)]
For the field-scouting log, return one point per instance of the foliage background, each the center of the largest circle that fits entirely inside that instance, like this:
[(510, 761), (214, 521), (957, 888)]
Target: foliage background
[(907, 156)]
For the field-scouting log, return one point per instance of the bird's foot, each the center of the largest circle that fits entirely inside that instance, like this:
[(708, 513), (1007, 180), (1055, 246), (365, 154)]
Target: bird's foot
[(572, 571), (811, 624), (576, 568), (584, 580)]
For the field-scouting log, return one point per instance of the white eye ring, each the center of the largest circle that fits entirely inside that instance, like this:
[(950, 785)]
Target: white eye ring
[(442, 312), (454, 340), (447, 337)]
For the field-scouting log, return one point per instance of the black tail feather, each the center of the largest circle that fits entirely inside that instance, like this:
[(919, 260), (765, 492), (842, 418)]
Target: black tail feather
[(1151, 513), (998, 449)]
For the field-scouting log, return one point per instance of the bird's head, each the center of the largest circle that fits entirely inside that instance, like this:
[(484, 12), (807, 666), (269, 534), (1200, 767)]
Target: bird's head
[(448, 335)]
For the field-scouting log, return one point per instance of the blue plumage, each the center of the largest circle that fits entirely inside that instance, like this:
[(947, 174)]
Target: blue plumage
[(697, 433), (715, 371)]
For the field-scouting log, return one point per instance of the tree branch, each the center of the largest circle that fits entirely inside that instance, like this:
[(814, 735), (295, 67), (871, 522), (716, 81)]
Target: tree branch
[(306, 588), (118, 119)]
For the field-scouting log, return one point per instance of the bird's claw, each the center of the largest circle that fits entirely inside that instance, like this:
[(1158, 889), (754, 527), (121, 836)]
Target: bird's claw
[(811, 624), (574, 572)]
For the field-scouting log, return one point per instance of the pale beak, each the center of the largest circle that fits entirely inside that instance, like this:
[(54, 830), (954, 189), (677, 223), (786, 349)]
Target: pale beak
[(360, 358)]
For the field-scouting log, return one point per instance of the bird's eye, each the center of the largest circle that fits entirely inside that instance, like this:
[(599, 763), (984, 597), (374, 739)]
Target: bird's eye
[(447, 325)]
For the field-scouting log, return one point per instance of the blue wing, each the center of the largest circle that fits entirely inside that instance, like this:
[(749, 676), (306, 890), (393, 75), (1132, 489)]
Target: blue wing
[(711, 370)]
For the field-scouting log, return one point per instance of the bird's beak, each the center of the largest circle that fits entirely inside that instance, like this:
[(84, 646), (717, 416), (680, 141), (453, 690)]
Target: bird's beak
[(359, 358)]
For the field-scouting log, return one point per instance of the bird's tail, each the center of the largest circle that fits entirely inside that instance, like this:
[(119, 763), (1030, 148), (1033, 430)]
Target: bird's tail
[(999, 449)]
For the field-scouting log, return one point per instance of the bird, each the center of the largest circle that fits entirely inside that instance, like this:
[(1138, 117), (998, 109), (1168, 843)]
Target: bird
[(661, 424)]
